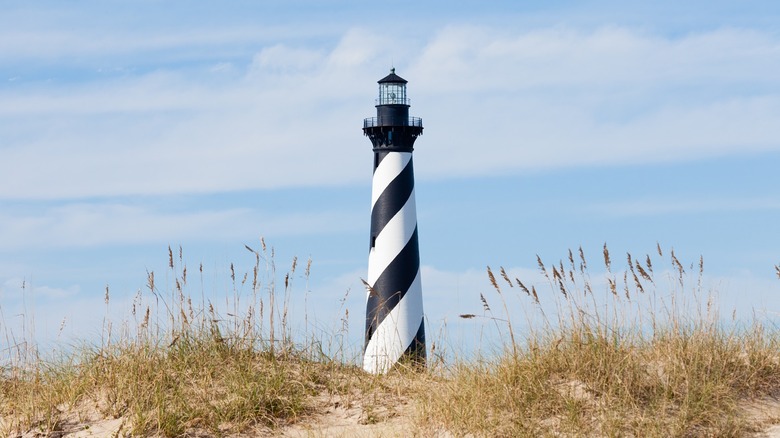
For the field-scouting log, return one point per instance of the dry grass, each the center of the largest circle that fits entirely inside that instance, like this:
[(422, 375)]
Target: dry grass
[(630, 361), (636, 352), (178, 367)]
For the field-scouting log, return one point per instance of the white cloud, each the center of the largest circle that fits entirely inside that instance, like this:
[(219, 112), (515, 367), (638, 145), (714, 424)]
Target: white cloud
[(492, 100), (282, 59), (685, 206), (14, 289), (480, 59), (67, 44), (47, 317), (83, 225)]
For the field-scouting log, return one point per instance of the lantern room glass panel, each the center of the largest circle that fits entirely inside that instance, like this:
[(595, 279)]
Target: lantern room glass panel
[(392, 94)]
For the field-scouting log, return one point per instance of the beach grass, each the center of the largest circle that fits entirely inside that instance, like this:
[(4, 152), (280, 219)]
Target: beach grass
[(639, 350)]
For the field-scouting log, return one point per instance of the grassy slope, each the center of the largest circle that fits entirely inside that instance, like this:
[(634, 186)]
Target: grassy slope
[(631, 362)]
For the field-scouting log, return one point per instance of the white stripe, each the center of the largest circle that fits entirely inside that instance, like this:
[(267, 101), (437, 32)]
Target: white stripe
[(392, 239), (390, 166), (396, 332)]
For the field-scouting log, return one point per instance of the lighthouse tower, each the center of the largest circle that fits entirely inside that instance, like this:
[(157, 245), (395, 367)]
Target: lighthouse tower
[(394, 311)]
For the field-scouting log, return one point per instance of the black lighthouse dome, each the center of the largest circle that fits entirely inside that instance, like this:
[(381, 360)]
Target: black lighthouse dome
[(392, 128), (392, 90)]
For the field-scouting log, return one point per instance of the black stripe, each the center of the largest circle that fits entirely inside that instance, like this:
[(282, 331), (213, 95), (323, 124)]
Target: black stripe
[(378, 157), (392, 285), (392, 200), (416, 350)]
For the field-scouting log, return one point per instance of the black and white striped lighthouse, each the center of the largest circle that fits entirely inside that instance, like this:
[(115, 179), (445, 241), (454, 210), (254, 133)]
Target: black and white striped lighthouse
[(394, 312)]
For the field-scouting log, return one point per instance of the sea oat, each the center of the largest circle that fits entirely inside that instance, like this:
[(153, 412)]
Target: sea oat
[(541, 266), (493, 279), (638, 284), (680, 269), (556, 274), (145, 322), (62, 326), (644, 273), (562, 287), (633, 273), (484, 302), (369, 288), (522, 287), (625, 284), (506, 277)]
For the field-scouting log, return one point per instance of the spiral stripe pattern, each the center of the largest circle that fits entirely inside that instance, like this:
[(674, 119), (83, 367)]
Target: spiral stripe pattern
[(394, 316)]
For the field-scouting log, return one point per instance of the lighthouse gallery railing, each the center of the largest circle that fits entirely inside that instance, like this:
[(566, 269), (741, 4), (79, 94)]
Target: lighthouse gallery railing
[(376, 121)]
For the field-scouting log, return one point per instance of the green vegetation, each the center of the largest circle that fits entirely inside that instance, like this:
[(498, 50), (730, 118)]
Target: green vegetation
[(639, 352)]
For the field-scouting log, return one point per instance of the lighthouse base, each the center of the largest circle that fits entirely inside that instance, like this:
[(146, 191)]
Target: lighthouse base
[(400, 336)]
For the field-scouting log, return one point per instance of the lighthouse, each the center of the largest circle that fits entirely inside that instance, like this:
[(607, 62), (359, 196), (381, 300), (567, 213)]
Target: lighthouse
[(395, 329)]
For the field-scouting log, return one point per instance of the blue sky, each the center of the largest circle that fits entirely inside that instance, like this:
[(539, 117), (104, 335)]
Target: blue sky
[(126, 127)]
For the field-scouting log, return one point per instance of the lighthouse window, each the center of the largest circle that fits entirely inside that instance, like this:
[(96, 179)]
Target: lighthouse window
[(390, 94)]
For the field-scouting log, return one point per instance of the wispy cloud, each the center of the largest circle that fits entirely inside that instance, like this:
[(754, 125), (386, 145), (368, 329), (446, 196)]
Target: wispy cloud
[(84, 225), (609, 57), (652, 207), (493, 100)]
